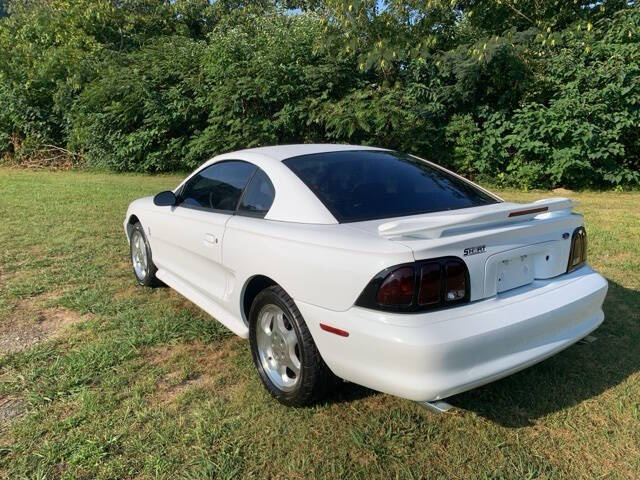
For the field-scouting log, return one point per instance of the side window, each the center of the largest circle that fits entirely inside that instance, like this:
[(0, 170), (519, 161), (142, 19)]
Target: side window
[(258, 196), (217, 187)]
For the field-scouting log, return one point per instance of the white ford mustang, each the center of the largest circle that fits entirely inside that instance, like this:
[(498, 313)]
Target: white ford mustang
[(371, 266)]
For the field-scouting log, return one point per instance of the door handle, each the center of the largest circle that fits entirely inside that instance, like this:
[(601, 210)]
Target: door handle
[(209, 238)]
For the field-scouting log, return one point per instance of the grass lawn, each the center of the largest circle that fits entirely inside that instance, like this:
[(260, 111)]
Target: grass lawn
[(100, 378)]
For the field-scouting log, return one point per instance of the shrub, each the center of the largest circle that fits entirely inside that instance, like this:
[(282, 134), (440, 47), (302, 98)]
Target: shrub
[(140, 114), (264, 83), (586, 133), (542, 96)]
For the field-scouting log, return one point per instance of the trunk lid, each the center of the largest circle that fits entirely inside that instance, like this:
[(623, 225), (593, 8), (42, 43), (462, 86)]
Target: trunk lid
[(504, 245)]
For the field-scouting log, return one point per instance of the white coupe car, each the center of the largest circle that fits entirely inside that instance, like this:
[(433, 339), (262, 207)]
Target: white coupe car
[(368, 265)]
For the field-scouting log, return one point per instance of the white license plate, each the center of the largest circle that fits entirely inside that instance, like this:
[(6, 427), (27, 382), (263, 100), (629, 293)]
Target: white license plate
[(515, 272)]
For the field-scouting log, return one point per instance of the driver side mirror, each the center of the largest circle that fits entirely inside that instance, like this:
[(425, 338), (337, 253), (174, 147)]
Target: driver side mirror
[(165, 199)]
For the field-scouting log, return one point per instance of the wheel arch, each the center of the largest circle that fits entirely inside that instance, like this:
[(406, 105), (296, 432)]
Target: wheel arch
[(131, 221), (252, 287)]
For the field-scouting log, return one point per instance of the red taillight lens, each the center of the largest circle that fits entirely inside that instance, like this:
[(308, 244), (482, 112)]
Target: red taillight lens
[(578, 253), (429, 284), (397, 288), (455, 281)]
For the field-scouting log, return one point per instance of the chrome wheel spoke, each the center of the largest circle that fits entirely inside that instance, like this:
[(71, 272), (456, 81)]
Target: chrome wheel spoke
[(265, 324), (278, 323), (285, 329), (290, 338), (264, 344), (282, 371), (293, 363), (263, 336), (143, 260)]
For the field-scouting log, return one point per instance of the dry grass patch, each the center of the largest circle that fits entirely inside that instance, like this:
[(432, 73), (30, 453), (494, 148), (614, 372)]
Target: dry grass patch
[(30, 323), (192, 365), (132, 291), (10, 408)]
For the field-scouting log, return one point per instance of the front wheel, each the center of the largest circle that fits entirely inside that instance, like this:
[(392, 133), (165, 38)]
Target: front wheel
[(143, 267), (284, 352)]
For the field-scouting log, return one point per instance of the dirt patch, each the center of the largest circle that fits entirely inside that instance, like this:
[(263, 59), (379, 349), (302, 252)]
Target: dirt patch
[(191, 365), (131, 291), (362, 457), (205, 356), (10, 408), (30, 324), (168, 391)]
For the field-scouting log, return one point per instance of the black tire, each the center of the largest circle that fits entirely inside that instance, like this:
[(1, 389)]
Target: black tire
[(148, 277), (316, 380)]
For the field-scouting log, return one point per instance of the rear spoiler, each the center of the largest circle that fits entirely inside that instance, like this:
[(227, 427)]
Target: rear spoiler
[(433, 226)]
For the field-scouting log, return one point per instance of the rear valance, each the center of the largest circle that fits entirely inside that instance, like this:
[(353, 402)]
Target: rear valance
[(433, 226)]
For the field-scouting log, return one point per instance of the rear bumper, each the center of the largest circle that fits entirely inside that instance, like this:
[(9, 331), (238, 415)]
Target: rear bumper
[(430, 356)]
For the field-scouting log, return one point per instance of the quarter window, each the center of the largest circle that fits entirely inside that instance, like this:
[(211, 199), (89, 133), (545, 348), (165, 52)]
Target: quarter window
[(217, 187), (258, 196)]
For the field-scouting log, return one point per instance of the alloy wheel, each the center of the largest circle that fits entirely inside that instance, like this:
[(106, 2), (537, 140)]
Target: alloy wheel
[(139, 255), (278, 349)]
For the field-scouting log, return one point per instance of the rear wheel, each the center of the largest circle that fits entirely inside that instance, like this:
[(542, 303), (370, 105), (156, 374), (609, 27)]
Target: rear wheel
[(284, 352), (143, 267)]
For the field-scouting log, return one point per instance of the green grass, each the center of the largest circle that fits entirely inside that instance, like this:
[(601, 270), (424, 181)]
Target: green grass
[(143, 384)]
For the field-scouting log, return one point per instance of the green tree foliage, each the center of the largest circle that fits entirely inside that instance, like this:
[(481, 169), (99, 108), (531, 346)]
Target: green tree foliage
[(50, 50), (581, 127), (530, 93), (139, 114), (263, 83)]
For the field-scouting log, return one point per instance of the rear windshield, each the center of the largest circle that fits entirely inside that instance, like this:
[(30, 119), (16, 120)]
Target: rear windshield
[(368, 185)]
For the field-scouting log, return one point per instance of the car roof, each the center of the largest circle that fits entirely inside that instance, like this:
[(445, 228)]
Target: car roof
[(282, 152), (294, 201)]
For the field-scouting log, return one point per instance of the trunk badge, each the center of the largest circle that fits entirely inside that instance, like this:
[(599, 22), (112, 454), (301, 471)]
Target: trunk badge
[(474, 250)]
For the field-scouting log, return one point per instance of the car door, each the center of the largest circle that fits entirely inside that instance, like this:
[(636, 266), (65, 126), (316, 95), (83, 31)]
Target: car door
[(189, 236)]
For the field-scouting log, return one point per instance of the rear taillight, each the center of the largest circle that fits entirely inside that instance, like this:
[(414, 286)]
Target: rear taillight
[(420, 286), (578, 253), (455, 281), (397, 289), (430, 284)]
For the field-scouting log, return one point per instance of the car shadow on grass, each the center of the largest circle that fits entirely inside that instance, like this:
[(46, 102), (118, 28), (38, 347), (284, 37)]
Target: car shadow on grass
[(577, 374), (349, 392)]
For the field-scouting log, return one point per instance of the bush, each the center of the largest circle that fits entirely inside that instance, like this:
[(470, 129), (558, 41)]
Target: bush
[(264, 83), (586, 134), (549, 98), (140, 115)]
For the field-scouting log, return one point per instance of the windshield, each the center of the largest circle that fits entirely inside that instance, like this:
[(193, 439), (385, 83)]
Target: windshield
[(370, 185)]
